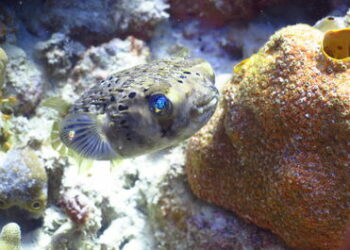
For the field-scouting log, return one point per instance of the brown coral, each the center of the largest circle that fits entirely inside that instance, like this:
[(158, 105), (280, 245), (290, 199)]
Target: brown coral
[(277, 152)]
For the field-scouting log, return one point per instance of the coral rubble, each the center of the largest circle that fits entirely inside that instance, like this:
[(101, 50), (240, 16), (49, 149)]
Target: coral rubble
[(277, 151)]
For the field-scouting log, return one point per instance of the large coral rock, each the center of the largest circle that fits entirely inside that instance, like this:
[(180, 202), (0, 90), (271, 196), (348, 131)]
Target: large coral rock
[(95, 21), (277, 151), (218, 12)]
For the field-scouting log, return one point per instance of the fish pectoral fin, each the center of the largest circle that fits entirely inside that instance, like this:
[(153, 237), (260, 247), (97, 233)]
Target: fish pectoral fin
[(82, 133)]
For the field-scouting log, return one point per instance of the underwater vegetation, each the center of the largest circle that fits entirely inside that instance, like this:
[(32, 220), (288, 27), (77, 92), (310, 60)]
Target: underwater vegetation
[(23, 181), (277, 150)]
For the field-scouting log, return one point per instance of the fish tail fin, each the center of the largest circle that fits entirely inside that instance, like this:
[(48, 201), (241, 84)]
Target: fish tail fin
[(83, 133)]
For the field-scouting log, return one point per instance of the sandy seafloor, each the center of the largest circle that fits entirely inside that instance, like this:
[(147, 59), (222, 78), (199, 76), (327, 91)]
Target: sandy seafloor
[(145, 202)]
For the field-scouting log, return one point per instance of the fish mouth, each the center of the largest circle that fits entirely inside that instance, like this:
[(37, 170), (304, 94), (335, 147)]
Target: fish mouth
[(206, 107), (203, 107)]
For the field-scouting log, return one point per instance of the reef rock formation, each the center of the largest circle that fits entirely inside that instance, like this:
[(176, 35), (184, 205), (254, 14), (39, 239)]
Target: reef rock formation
[(99, 62), (94, 22), (217, 13), (59, 54), (23, 80), (181, 221), (277, 151)]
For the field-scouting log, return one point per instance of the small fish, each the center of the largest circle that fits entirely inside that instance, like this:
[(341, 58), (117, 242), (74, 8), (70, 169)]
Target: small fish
[(142, 109)]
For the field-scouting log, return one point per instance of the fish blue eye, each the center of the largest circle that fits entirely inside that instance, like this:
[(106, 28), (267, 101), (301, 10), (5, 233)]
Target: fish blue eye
[(159, 104)]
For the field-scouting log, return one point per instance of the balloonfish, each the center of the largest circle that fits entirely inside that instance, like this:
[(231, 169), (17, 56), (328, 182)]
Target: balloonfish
[(142, 109)]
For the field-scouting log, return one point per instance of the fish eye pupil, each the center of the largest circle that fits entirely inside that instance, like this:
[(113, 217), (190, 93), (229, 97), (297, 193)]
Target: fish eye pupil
[(159, 104), (36, 204)]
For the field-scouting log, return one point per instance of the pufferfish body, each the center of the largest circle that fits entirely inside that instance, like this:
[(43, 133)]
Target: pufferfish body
[(142, 109)]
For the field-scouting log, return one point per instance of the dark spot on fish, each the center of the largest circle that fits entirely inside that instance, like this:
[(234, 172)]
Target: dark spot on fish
[(187, 72), (122, 107), (145, 90), (199, 39), (86, 109), (198, 74), (180, 81), (202, 48), (110, 90), (109, 85), (123, 122), (112, 98), (120, 90), (116, 81), (132, 95), (110, 78), (331, 18), (339, 47), (182, 77)]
